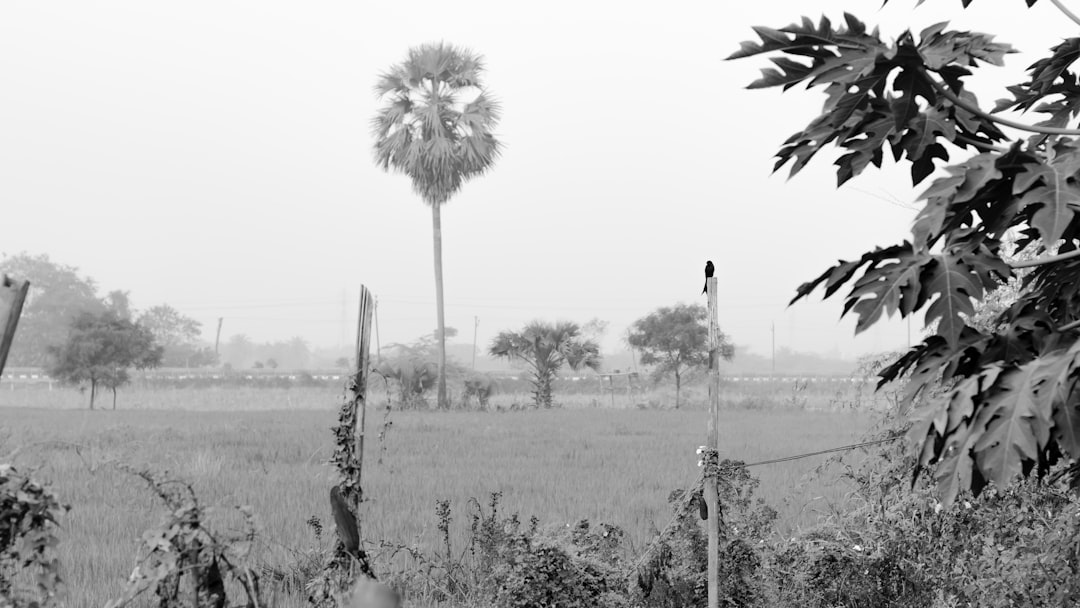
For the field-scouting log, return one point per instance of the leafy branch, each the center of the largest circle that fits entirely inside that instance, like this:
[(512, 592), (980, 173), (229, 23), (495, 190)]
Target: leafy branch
[(991, 404)]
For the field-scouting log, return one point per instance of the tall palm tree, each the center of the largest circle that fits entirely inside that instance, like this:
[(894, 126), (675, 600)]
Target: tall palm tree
[(436, 127), (545, 347)]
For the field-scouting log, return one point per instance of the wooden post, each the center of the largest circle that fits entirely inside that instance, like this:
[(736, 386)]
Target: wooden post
[(12, 295), (358, 388), (712, 498), (346, 496)]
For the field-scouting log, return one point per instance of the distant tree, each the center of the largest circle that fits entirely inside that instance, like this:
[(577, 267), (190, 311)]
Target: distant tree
[(257, 365), (298, 354), (100, 348), (272, 363), (594, 330), (119, 302), (342, 362), (57, 296), (436, 127), (545, 348), (239, 351), (481, 386), (179, 335), (194, 356), (412, 376), (425, 347), (675, 339), (413, 368)]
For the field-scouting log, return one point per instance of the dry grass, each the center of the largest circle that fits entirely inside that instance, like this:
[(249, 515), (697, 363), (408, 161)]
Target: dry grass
[(616, 466)]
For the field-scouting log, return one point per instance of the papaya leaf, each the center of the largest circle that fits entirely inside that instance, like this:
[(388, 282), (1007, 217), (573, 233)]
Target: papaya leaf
[(893, 286), (1056, 198), (1057, 377), (955, 284), (1010, 415), (1045, 72)]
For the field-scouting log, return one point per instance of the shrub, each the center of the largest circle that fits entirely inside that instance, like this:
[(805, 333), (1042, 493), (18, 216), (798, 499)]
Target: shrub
[(28, 514), (186, 563)]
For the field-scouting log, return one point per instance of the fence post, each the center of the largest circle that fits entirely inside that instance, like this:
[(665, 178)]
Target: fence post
[(363, 368), (12, 296), (712, 497), (345, 498)]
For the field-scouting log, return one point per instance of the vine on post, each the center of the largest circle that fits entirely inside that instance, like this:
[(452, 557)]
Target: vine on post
[(349, 557)]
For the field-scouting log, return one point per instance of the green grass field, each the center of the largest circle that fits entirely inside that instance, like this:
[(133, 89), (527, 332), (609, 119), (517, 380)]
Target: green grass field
[(606, 465)]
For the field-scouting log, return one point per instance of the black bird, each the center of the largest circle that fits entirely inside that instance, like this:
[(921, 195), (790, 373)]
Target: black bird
[(708, 273)]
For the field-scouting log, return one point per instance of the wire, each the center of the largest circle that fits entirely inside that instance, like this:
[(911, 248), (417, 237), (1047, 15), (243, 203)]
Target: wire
[(688, 495), (820, 452)]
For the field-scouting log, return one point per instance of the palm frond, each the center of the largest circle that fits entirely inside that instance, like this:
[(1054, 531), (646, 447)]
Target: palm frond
[(425, 131)]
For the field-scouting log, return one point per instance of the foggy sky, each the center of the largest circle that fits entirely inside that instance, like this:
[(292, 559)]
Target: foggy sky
[(217, 156)]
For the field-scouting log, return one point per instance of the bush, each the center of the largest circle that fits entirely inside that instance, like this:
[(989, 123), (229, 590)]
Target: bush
[(28, 514)]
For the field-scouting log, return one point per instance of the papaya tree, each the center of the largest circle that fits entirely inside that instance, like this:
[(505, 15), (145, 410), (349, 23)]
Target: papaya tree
[(997, 400), (436, 128), (544, 348)]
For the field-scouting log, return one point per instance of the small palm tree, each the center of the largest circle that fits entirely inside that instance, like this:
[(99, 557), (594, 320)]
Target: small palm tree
[(545, 347), (436, 127)]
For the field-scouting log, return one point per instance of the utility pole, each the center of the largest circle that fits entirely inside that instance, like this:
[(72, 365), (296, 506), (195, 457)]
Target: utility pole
[(217, 340), (476, 326), (712, 498), (774, 348)]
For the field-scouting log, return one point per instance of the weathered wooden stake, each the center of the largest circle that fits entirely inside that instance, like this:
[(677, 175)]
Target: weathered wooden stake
[(712, 498), (359, 387), (12, 295), (345, 498)]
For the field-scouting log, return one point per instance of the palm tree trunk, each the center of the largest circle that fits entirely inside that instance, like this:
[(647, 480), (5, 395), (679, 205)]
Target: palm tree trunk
[(114, 397), (436, 224)]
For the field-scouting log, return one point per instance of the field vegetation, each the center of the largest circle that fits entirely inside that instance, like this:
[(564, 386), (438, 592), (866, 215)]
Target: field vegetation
[(267, 448)]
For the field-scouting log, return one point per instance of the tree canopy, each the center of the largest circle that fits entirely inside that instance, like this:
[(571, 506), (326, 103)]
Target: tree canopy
[(545, 347), (675, 339), (100, 349), (992, 403), (179, 335), (436, 126), (58, 294)]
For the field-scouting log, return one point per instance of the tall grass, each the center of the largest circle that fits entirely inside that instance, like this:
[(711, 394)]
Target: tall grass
[(561, 465)]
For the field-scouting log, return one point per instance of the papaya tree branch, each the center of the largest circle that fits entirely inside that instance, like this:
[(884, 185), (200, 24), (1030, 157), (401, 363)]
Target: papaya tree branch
[(1069, 326), (1064, 9), (1050, 259), (948, 94)]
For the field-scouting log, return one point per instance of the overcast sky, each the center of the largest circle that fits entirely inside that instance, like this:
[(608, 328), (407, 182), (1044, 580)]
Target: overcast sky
[(217, 156)]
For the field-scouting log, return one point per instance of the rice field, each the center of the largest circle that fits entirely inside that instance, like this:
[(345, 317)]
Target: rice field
[(266, 448)]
